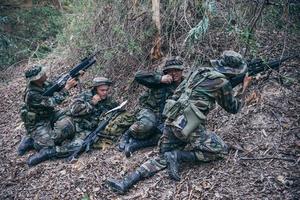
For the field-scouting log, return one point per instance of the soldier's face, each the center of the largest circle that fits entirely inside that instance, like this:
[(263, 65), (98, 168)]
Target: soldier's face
[(44, 78), (102, 91), (176, 75), (41, 80)]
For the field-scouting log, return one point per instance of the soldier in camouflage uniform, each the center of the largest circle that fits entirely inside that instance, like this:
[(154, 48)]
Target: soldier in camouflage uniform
[(84, 115), (186, 115), (147, 130), (46, 127), (86, 112)]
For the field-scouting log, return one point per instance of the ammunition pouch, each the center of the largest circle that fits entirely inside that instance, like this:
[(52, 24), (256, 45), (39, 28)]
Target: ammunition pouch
[(194, 118), (29, 118), (172, 109)]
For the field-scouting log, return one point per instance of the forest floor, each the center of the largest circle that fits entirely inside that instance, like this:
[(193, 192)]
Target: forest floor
[(266, 132)]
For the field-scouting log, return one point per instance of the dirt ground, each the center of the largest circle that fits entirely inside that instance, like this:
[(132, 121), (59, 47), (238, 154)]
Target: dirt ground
[(263, 163)]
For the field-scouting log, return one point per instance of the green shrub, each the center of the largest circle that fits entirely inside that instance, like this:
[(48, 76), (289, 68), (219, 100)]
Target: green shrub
[(27, 32)]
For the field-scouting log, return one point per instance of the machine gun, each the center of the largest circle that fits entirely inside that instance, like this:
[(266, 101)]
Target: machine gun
[(73, 73), (257, 66), (91, 138)]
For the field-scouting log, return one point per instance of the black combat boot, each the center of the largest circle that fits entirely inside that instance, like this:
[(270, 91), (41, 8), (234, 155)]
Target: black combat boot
[(124, 140), (42, 155), (25, 145), (173, 158), (122, 186), (136, 144)]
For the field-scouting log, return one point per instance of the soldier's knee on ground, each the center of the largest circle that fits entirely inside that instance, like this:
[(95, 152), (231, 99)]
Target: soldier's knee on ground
[(213, 143), (208, 156)]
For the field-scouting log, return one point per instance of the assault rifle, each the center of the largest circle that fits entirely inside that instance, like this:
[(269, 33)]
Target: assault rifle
[(257, 66), (73, 73), (91, 138)]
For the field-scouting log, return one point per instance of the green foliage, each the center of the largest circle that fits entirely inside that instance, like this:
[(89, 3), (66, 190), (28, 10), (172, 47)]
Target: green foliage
[(198, 32), (24, 33), (276, 16), (77, 22)]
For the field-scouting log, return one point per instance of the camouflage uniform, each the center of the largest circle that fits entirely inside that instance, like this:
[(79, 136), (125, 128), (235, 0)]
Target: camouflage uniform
[(44, 124), (152, 102), (86, 117), (208, 86), (186, 115), (147, 129)]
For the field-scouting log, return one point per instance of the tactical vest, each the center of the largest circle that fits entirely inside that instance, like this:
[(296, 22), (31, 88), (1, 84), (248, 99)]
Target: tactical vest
[(155, 99), (29, 115), (183, 105)]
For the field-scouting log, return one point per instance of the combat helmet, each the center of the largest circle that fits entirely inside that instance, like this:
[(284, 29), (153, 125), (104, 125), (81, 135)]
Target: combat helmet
[(230, 64), (35, 73), (173, 62), (101, 81)]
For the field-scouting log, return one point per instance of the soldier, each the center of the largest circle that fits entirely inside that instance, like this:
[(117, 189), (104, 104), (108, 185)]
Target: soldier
[(185, 124), (145, 132), (45, 126), (88, 107), (84, 115)]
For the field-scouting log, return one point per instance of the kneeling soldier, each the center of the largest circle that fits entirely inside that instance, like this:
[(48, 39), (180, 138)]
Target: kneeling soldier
[(147, 128), (186, 115), (46, 127)]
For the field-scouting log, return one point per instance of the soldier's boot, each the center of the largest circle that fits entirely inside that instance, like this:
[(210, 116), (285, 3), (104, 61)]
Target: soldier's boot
[(173, 159), (124, 140), (25, 145), (136, 144), (43, 155), (122, 186)]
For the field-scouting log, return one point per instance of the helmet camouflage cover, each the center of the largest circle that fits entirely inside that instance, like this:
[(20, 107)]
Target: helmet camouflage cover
[(230, 64), (101, 81), (35, 73), (173, 62)]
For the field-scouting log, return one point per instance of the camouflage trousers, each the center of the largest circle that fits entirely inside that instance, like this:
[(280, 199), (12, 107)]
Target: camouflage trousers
[(51, 133), (111, 133), (206, 146), (146, 125)]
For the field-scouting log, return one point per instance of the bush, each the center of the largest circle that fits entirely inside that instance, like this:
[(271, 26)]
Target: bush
[(27, 33)]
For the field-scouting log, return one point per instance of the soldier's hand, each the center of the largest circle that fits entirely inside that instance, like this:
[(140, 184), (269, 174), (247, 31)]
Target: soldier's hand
[(166, 79), (246, 82), (96, 99), (81, 72), (70, 83)]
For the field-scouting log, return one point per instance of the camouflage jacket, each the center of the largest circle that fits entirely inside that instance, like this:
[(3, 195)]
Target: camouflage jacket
[(38, 108), (203, 88), (85, 113), (154, 98)]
